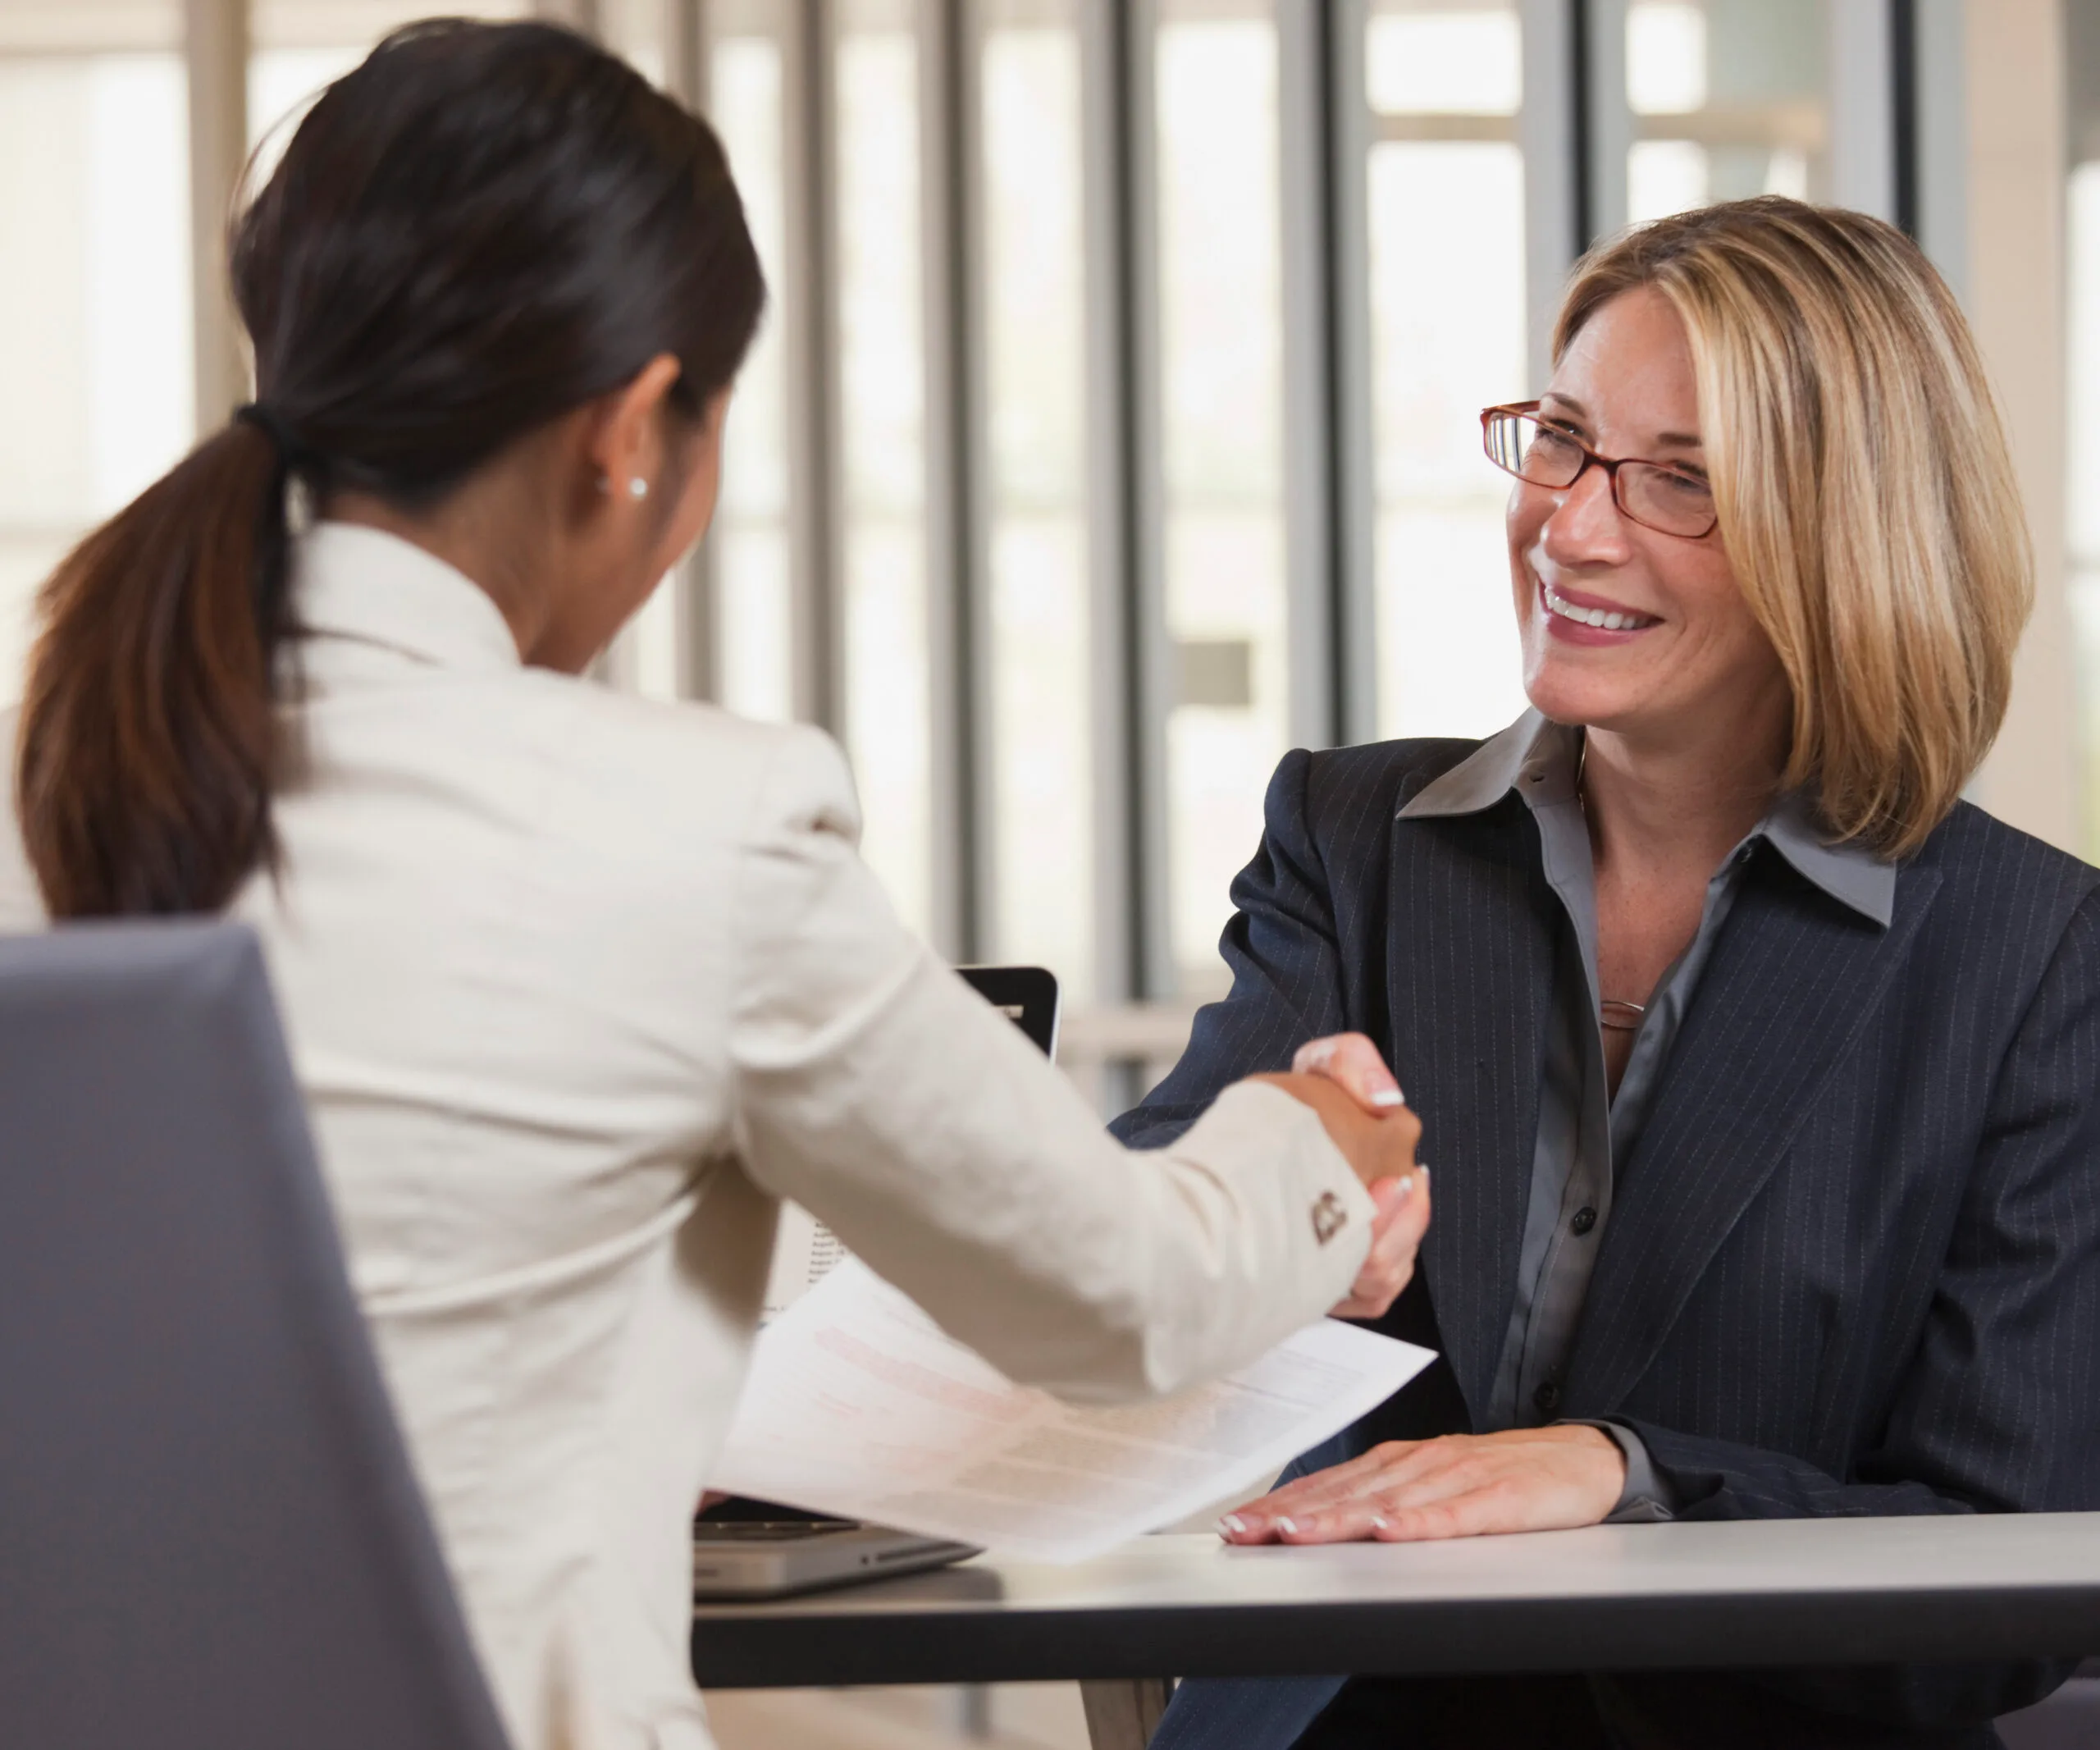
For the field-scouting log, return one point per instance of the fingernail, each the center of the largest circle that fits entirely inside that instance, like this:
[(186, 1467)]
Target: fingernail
[(1233, 1525), (1422, 1171), (1379, 1522), (1407, 1185), (1288, 1528), (1389, 1097)]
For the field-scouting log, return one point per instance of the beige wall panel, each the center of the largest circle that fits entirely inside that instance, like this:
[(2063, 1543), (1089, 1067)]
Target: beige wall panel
[(2014, 75)]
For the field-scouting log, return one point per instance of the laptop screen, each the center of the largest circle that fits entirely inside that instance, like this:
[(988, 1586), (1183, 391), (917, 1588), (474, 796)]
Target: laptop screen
[(1027, 996)]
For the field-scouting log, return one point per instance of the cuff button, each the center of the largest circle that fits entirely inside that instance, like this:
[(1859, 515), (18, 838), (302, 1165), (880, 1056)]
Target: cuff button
[(1328, 1217)]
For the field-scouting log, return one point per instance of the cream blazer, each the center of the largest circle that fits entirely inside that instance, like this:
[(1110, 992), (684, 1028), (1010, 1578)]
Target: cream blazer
[(578, 987)]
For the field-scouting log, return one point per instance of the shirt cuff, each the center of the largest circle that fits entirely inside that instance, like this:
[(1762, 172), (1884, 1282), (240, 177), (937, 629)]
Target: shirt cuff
[(1645, 1500)]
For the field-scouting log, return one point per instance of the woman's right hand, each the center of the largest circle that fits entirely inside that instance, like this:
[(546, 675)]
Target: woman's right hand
[(1344, 1080)]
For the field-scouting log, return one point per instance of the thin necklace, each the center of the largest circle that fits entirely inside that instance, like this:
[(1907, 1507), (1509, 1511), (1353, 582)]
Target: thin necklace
[(1614, 1015)]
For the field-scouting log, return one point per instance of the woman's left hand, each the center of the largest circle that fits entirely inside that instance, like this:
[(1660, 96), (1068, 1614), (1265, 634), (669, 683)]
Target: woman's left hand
[(1457, 1486)]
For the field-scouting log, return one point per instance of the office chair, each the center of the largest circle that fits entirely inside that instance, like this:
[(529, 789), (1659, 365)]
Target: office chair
[(210, 1538), (2070, 1720)]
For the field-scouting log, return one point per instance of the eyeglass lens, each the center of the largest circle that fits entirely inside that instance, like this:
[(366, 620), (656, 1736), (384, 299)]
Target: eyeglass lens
[(1663, 499)]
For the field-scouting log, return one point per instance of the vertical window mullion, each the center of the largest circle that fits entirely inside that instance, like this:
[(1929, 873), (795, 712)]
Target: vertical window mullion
[(1552, 132), (1112, 423), (1904, 93), (1354, 589), (1148, 656), (1941, 172), (812, 369), (1609, 122), (950, 254), (216, 40), (1312, 502), (687, 67), (1863, 106)]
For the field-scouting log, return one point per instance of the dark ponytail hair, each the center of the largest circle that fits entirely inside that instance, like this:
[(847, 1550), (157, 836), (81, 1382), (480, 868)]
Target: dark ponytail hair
[(480, 228)]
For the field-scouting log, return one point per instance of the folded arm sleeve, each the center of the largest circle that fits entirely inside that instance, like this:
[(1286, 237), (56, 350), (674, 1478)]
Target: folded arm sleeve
[(878, 1091), (1644, 1498), (1286, 975)]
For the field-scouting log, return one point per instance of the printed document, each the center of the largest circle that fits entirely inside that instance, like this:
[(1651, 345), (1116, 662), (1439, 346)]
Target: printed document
[(857, 1404), (805, 1251)]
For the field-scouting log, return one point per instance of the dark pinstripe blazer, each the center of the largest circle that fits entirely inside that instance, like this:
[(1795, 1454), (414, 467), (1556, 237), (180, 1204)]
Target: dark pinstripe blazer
[(1853, 1266)]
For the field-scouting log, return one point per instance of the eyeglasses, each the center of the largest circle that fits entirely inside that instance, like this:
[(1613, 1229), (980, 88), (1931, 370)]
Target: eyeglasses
[(1653, 494)]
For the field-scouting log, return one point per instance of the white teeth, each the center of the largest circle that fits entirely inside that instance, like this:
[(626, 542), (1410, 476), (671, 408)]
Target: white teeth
[(1603, 617)]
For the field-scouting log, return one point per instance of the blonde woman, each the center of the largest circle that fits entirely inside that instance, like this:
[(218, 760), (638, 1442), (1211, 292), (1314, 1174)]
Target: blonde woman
[(1764, 1073)]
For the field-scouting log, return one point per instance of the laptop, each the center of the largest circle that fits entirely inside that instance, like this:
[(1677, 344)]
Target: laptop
[(746, 1549)]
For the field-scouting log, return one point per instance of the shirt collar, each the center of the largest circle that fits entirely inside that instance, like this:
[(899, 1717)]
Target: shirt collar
[(1535, 757), (352, 581)]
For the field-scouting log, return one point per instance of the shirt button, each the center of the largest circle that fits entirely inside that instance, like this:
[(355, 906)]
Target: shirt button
[(1584, 1221), (1547, 1397)]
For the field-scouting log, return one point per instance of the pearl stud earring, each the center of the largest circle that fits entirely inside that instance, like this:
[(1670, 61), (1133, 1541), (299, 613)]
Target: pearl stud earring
[(637, 487)]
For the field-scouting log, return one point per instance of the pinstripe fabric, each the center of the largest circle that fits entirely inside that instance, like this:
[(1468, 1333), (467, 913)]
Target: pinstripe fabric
[(1854, 1263)]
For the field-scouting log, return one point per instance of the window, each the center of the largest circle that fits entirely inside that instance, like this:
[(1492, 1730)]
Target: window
[(753, 622), (1038, 583), (1728, 97), (1220, 347), (1447, 254), (1113, 421), (886, 612), (95, 306)]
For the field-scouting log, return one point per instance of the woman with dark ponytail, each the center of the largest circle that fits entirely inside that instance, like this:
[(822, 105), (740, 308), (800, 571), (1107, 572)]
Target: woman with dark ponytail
[(578, 986), (423, 281)]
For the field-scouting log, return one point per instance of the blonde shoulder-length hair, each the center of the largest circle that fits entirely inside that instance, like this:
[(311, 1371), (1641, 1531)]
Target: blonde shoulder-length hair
[(1867, 498)]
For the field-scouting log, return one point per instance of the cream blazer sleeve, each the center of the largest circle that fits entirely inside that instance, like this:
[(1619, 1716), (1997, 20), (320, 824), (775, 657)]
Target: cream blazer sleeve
[(875, 1088)]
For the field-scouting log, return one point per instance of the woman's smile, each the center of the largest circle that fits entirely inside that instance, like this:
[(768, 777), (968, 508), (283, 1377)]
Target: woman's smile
[(1590, 620)]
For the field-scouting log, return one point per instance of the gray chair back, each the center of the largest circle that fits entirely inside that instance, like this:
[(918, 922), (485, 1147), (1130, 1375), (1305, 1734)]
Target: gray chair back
[(210, 1536)]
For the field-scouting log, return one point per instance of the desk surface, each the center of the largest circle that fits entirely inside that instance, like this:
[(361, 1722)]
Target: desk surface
[(1609, 1597)]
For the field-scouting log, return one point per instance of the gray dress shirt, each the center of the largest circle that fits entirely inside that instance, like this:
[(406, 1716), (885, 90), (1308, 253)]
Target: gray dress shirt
[(1586, 1134)]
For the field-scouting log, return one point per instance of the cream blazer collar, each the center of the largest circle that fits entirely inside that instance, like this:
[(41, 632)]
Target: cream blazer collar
[(351, 582)]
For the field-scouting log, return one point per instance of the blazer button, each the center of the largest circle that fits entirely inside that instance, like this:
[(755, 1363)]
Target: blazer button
[(1547, 1397), (1584, 1220)]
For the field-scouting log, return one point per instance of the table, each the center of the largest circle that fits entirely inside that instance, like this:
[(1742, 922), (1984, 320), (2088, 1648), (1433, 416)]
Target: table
[(1789, 1592)]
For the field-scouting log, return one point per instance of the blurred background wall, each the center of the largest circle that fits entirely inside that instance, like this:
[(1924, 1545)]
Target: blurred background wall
[(1113, 429)]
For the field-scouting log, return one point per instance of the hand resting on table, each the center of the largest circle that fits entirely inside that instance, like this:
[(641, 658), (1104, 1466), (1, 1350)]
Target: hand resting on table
[(1456, 1486)]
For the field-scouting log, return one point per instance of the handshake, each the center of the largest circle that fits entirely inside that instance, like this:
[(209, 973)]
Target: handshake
[(1344, 1079)]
